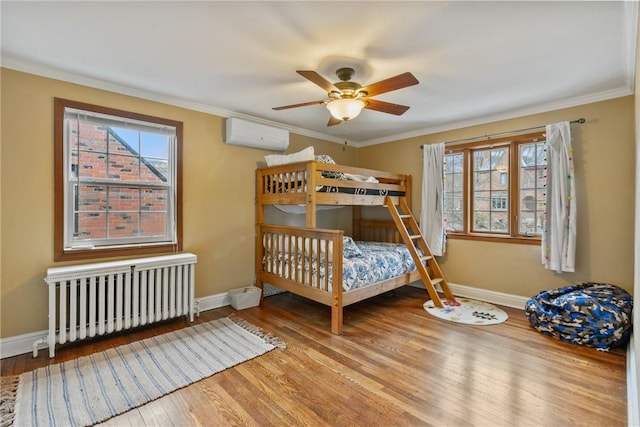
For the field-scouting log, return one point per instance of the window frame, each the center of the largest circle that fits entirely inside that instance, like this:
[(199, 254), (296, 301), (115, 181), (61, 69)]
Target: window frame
[(513, 234), (61, 252)]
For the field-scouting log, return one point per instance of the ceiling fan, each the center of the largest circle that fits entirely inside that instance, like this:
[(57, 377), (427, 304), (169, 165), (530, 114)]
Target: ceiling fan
[(347, 98)]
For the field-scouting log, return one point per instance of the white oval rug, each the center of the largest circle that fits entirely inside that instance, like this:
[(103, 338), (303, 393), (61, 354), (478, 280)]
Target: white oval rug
[(464, 310)]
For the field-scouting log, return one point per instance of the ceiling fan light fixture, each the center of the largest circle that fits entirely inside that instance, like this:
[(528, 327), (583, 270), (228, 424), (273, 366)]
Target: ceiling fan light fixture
[(345, 109)]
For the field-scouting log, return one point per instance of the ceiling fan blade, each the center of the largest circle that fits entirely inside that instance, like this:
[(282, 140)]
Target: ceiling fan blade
[(386, 107), (304, 104), (318, 79), (333, 121), (392, 83)]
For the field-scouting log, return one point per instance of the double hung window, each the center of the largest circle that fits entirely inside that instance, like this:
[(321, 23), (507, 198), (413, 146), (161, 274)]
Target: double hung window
[(117, 182)]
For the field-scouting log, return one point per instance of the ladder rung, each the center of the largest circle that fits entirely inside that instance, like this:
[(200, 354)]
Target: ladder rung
[(405, 222)]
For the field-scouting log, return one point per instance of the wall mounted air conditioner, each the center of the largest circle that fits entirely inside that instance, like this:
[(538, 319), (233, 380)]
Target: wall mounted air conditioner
[(255, 135)]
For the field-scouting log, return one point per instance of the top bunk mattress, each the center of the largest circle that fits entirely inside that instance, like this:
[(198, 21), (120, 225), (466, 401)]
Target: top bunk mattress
[(286, 179)]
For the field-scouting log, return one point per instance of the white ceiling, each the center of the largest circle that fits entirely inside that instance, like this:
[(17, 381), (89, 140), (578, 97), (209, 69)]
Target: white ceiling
[(476, 61)]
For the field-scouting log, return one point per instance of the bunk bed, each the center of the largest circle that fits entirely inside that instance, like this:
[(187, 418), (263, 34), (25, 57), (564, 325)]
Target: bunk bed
[(313, 262)]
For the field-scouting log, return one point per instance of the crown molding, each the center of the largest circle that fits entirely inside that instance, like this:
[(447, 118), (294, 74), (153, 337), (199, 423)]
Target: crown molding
[(84, 80), (513, 114), (67, 76), (630, 41)]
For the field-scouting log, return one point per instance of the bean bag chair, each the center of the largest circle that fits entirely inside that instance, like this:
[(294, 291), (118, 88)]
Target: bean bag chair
[(589, 314)]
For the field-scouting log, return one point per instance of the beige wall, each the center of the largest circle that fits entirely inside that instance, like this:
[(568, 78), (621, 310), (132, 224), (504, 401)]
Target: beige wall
[(218, 194), (219, 197), (605, 163)]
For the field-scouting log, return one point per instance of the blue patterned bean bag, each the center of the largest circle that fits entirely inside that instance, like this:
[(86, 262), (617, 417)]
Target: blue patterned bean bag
[(589, 314)]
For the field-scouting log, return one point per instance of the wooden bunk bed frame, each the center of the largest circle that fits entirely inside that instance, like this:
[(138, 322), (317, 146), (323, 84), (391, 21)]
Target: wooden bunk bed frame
[(296, 184)]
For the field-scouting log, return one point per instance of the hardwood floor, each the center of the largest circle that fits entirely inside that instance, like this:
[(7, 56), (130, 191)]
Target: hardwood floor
[(395, 365)]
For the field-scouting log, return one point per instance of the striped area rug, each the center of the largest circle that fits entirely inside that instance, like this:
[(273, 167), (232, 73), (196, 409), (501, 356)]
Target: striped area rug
[(94, 388)]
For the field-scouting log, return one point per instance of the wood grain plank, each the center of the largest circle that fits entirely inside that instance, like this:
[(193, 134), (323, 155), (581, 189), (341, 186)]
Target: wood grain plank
[(394, 365)]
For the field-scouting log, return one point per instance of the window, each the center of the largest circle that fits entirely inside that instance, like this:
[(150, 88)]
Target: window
[(490, 190), (117, 182), (533, 165), (495, 191), (454, 191)]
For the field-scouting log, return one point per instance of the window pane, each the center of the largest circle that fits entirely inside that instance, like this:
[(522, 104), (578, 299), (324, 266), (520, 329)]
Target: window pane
[(154, 170), (448, 184), (531, 192), (482, 201), (153, 224), (154, 200), (125, 168), (92, 137), (114, 212), (91, 226), (454, 214), (90, 198), (154, 146), (528, 178), (91, 164), (499, 180), (124, 142), (481, 221), (123, 224), (527, 222), (527, 201), (458, 183), (499, 222), (482, 160), (483, 180), (124, 199), (129, 137), (491, 190), (500, 159)]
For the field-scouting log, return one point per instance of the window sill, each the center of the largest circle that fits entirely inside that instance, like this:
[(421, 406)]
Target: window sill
[(87, 254), (520, 240)]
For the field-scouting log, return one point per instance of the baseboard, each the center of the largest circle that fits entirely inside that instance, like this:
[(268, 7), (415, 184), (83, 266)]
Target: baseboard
[(499, 298), (633, 406), (21, 344), (212, 301)]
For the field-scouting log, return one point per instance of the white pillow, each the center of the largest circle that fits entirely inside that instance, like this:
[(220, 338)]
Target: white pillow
[(281, 159)]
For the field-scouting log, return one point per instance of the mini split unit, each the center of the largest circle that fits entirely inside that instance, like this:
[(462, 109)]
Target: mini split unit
[(255, 135)]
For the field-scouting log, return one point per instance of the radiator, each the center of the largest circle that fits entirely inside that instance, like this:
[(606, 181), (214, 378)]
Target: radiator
[(90, 300)]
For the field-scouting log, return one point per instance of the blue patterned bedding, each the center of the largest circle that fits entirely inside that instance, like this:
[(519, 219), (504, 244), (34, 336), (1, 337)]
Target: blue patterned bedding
[(379, 261), (364, 263)]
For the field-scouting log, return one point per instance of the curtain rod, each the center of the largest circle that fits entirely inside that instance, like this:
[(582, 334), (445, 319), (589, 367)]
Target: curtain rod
[(493, 135)]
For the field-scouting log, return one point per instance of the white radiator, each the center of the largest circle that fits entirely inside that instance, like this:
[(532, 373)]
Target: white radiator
[(97, 299)]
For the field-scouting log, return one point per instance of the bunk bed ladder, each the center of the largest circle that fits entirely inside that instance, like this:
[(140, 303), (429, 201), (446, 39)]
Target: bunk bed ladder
[(426, 263)]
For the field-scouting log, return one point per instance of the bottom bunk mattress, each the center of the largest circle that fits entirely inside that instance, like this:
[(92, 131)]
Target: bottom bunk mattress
[(363, 263)]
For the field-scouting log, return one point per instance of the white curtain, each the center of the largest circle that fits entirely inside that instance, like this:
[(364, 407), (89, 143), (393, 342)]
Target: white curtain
[(431, 214), (559, 225)]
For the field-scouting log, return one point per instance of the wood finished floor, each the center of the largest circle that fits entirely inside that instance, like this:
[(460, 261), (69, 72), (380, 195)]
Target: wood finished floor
[(395, 365)]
